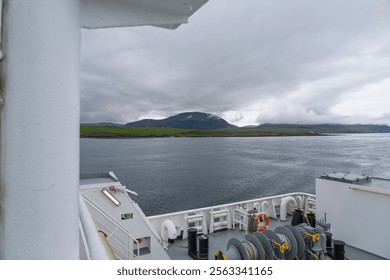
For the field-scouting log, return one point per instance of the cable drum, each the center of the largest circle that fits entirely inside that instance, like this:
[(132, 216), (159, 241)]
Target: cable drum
[(237, 245), (299, 239), (269, 252), (273, 237), (256, 242), (284, 242), (251, 249), (287, 236)]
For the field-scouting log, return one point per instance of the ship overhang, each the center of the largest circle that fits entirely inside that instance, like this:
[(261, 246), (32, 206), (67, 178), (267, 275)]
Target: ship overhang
[(166, 14)]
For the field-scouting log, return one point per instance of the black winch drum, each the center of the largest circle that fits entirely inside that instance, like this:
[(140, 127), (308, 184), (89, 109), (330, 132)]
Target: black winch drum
[(338, 250), (203, 247), (329, 239), (311, 218), (192, 241), (297, 217)]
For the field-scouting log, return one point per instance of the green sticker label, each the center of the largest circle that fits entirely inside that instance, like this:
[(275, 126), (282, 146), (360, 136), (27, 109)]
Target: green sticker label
[(126, 216)]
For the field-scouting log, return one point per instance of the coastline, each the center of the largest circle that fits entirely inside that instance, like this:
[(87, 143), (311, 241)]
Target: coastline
[(102, 132)]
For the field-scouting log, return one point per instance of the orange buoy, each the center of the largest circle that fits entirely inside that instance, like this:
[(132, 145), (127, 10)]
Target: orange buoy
[(262, 221)]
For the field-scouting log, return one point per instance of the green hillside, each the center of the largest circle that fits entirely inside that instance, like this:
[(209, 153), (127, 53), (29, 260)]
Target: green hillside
[(136, 132)]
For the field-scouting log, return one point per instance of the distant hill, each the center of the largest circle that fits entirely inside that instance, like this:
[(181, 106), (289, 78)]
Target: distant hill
[(101, 124), (203, 121), (329, 128), (190, 120)]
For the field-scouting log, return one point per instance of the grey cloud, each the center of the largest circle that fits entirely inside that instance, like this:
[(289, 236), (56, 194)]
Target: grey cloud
[(236, 58)]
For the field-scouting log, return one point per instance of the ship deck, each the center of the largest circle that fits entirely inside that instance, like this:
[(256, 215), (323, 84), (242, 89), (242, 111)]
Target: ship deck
[(218, 241), (132, 235)]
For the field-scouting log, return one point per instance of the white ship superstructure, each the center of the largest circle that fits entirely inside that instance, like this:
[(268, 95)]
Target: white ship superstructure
[(233, 231)]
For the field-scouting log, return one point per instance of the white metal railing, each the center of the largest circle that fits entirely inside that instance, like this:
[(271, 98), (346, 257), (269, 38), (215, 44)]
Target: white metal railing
[(84, 253), (92, 243), (232, 204), (242, 220), (118, 236), (178, 218)]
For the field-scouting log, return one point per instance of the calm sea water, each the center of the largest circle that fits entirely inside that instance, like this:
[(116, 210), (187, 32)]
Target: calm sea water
[(172, 174)]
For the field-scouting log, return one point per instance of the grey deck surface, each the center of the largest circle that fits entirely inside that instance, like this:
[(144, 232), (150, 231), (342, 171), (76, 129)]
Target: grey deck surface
[(218, 241), (96, 178)]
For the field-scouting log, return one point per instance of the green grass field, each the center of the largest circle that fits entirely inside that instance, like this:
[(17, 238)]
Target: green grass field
[(138, 132)]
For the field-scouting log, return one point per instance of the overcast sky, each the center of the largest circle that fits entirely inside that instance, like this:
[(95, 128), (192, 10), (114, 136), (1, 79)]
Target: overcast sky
[(248, 61)]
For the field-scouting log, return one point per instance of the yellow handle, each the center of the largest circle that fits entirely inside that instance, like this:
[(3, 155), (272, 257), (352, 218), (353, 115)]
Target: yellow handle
[(314, 237), (282, 247)]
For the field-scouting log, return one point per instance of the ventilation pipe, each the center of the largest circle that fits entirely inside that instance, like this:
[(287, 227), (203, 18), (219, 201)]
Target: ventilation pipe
[(284, 204), (168, 233), (264, 206), (299, 201)]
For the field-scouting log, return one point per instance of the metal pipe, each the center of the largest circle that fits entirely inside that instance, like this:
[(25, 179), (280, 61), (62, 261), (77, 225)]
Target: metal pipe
[(107, 245), (168, 232), (283, 206), (299, 201), (1, 35), (264, 206)]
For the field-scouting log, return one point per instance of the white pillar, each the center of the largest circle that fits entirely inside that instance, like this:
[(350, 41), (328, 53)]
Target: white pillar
[(40, 130)]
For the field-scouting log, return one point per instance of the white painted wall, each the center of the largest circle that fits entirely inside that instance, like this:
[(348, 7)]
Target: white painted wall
[(39, 134), (40, 130), (358, 218)]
